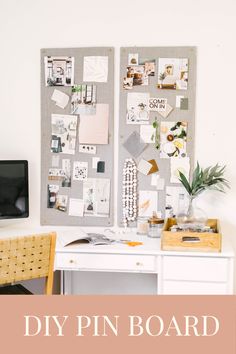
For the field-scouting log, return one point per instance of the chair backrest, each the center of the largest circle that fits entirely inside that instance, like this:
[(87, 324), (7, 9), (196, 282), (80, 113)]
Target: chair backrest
[(28, 257)]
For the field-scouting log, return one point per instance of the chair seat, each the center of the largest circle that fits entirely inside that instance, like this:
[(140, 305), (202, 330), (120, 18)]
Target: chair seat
[(17, 289)]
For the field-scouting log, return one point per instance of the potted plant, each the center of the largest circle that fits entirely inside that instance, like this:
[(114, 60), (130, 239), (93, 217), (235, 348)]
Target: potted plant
[(162, 77), (210, 178)]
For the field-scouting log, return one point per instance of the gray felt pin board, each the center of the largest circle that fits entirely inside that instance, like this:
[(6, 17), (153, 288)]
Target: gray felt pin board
[(187, 114), (105, 95)]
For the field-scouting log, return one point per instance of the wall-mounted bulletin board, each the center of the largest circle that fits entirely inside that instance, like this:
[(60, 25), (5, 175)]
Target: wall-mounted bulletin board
[(77, 139), (157, 85)]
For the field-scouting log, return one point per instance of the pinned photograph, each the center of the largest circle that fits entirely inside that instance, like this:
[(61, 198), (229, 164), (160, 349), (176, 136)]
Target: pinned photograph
[(128, 83), (138, 74), (61, 174), (61, 203), (59, 71), (96, 196), (137, 108), (66, 167), (133, 59), (63, 137), (173, 73), (149, 66), (176, 200), (83, 99), (173, 136), (53, 190), (179, 165), (55, 174), (147, 203), (54, 200), (80, 171)]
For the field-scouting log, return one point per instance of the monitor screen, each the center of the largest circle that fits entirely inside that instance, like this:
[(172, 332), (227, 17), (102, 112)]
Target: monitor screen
[(14, 196)]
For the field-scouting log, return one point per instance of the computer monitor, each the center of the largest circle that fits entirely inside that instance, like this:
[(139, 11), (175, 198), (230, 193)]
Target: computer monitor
[(14, 189)]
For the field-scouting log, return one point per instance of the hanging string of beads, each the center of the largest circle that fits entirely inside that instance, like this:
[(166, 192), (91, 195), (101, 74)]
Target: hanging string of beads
[(129, 192)]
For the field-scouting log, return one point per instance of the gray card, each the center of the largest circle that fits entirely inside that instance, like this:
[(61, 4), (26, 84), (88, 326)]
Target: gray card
[(184, 103), (134, 144)]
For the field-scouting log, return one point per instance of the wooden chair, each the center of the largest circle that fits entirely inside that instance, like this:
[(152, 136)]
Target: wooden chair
[(25, 258)]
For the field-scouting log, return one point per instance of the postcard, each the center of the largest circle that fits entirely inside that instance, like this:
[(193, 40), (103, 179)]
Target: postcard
[(88, 149), (144, 167), (93, 129), (176, 200), (138, 74), (178, 101), (60, 98), (128, 83), (66, 167), (55, 200), (59, 71), (55, 174), (80, 171), (137, 108), (53, 190), (165, 113), (149, 66), (184, 103), (95, 69), (147, 133), (61, 203), (83, 99), (133, 59), (96, 196), (64, 129), (95, 161), (173, 136), (157, 104), (173, 73), (76, 207), (147, 203), (179, 165)]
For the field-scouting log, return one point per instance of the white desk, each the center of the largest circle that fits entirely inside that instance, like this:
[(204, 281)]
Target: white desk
[(177, 272)]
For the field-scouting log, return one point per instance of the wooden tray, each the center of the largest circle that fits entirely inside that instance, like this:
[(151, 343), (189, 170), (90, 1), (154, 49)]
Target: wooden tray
[(207, 242)]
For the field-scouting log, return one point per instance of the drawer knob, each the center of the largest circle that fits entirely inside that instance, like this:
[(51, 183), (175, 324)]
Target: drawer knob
[(139, 263), (71, 261)]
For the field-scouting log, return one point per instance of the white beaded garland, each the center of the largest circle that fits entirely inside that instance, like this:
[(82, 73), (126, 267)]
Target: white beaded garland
[(129, 192)]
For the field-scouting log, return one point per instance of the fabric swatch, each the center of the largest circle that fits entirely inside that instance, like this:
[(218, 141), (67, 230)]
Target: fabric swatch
[(134, 144)]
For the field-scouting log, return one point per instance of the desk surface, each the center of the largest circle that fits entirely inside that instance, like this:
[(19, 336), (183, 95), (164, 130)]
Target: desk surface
[(150, 246)]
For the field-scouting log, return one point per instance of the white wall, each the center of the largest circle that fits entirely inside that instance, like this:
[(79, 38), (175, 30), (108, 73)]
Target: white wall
[(26, 26)]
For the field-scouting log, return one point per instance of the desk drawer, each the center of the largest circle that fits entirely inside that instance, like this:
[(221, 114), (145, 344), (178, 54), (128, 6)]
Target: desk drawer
[(195, 268), (106, 262), (171, 287)]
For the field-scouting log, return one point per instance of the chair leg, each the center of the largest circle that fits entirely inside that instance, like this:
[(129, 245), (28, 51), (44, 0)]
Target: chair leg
[(49, 285)]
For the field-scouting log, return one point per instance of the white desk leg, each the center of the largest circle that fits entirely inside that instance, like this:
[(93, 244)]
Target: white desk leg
[(67, 289), (159, 276), (62, 284)]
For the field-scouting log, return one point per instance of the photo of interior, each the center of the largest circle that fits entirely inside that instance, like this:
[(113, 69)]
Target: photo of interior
[(112, 157)]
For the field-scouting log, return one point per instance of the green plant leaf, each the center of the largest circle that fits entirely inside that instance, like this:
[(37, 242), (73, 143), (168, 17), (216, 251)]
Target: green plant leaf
[(185, 183)]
